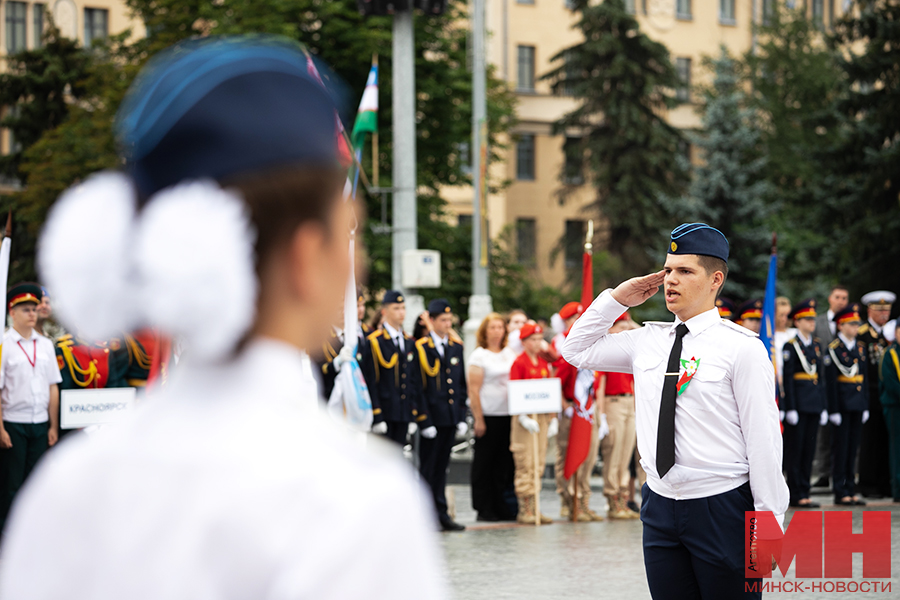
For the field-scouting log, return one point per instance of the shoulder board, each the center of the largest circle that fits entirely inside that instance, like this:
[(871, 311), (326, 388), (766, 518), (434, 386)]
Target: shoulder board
[(659, 323), (834, 343), (792, 340), (372, 337), (735, 327), (64, 338), (817, 340), (422, 342), (863, 329)]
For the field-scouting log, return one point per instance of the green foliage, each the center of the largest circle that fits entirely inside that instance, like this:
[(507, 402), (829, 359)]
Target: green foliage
[(728, 190), (623, 79), (333, 31), (859, 197)]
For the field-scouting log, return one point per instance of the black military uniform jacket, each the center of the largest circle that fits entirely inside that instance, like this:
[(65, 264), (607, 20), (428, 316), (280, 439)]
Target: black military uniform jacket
[(876, 345), (330, 350), (804, 376), (443, 382), (393, 379), (848, 390)]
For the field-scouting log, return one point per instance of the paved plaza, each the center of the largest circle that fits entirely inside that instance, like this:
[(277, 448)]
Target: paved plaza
[(575, 561)]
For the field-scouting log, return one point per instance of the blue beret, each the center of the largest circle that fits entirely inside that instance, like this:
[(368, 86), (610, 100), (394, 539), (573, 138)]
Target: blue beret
[(224, 106), (439, 307), (698, 238), (392, 297)]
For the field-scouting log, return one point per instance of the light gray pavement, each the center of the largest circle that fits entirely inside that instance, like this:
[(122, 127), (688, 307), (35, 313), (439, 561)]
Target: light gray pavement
[(593, 561)]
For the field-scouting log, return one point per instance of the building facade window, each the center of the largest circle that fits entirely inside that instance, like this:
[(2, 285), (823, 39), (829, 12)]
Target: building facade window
[(96, 25), (15, 26), (818, 12), (574, 243), (526, 241), (573, 171), (464, 221), (683, 10), (630, 6), (525, 81), (726, 12), (524, 1), (37, 23), (768, 11), (683, 92), (525, 157)]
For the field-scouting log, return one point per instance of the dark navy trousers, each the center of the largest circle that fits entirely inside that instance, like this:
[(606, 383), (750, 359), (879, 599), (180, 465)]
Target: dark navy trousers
[(694, 549), (434, 459)]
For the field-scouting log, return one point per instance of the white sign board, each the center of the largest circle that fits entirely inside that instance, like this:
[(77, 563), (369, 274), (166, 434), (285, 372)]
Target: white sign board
[(81, 408), (421, 269), (534, 396)]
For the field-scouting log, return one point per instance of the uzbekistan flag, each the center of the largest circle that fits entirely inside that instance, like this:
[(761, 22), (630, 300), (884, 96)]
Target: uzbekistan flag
[(367, 116)]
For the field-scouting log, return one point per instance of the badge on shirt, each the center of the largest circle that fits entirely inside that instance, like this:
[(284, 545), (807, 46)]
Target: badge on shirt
[(787, 355), (690, 369), (409, 357)]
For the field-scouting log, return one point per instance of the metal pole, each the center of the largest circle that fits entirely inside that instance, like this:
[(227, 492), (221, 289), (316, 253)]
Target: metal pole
[(404, 130), (480, 302)]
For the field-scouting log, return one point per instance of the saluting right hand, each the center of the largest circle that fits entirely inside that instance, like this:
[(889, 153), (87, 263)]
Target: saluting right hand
[(5, 440), (636, 290)]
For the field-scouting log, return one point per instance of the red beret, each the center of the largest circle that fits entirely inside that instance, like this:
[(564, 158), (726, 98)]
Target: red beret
[(530, 329), (570, 310)]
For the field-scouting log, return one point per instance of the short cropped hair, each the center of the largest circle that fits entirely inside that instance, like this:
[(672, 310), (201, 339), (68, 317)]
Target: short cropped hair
[(711, 264)]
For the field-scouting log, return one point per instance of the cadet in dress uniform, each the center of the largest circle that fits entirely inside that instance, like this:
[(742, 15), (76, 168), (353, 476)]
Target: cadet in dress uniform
[(805, 401), (86, 365), (750, 314), (890, 402), (332, 358), (390, 366), (140, 348), (727, 309), (707, 428), (848, 402), (443, 376), (874, 464)]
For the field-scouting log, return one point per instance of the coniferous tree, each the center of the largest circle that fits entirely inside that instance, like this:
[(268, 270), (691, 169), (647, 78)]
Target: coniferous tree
[(859, 200), (623, 81), (728, 190)]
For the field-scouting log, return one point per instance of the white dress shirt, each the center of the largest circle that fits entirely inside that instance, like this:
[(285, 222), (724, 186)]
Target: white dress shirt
[(397, 336), (226, 486), (439, 342), (28, 368), (831, 324), (726, 422)]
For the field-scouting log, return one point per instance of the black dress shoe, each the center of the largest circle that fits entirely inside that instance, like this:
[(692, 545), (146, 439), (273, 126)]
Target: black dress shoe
[(840, 502), (633, 507), (449, 524), (811, 505), (858, 502), (487, 517)]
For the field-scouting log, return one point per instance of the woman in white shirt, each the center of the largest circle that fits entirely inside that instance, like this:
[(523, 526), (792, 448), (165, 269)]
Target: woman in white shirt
[(492, 466)]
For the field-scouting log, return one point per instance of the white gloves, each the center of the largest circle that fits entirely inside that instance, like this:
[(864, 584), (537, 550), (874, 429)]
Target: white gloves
[(461, 428), (570, 410), (379, 428), (835, 419), (553, 429), (530, 425), (781, 415), (792, 418), (343, 356), (604, 427), (823, 418), (429, 432), (411, 428), (865, 416)]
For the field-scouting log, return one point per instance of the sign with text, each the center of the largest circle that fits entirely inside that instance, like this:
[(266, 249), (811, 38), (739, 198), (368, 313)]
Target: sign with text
[(82, 408), (534, 396)]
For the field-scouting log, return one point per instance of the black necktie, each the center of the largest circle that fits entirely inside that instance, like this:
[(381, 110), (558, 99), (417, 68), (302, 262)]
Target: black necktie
[(443, 349), (665, 433), (399, 344)]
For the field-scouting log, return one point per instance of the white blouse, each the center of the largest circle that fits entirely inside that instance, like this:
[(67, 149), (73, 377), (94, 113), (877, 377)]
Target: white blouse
[(496, 367)]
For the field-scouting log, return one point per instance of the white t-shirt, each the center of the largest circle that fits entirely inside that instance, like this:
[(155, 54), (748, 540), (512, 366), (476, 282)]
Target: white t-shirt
[(229, 485), (496, 367), (27, 370)]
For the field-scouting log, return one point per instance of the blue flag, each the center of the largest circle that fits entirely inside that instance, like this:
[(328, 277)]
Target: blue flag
[(767, 326)]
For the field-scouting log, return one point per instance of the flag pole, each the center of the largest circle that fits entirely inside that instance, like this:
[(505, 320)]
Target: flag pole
[(537, 477), (375, 142)]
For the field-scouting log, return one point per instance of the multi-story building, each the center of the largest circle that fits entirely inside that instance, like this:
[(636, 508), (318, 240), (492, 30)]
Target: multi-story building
[(82, 20), (523, 36)]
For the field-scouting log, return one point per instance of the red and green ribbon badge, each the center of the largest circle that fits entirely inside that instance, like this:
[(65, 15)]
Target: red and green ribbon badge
[(690, 369)]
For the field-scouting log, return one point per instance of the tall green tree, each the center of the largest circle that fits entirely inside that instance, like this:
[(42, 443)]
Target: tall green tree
[(859, 199), (728, 190), (795, 80), (623, 81)]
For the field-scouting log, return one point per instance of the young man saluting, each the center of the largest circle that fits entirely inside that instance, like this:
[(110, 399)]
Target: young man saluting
[(706, 420)]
